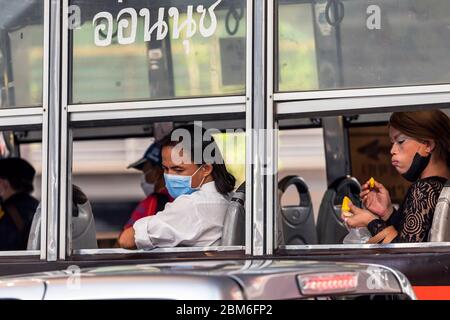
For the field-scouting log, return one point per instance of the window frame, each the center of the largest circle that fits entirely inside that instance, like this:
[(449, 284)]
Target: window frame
[(263, 109), (339, 102), (135, 110), (384, 90), (31, 116)]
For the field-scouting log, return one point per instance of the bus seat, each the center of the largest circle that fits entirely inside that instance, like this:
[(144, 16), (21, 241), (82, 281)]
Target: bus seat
[(234, 225), (34, 237), (330, 227), (297, 221), (83, 228), (440, 229)]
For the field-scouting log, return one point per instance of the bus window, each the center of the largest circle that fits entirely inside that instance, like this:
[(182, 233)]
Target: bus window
[(106, 168), (20, 190), (21, 53), (358, 44), (301, 184), (307, 145), (354, 149), (151, 50)]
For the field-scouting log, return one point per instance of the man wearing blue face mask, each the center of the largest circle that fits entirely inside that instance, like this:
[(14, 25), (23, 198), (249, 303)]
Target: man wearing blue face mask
[(201, 192), (152, 184)]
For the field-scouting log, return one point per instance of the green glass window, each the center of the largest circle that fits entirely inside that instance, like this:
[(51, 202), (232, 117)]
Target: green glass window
[(21, 53), (336, 44), (141, 50)]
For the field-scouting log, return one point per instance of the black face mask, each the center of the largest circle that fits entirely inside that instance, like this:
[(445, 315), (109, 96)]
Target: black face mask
[(417, 166)]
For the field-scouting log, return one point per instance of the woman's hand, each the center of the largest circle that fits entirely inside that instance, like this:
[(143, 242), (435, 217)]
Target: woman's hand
[(126, 239), (377, 200), (360, 218)]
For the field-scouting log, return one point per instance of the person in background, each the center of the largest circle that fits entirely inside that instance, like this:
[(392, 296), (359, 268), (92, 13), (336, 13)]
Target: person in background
[(152, 184), (421, 154), (17, 204)]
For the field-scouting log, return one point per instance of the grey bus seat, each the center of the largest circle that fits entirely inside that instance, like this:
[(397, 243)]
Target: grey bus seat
[(234, 224), (297, 221), (83, 228), (34, 237), (440, 229), (330, 227)]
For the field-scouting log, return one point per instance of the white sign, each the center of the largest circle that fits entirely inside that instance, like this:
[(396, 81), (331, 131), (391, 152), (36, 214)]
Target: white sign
[(127, 22)]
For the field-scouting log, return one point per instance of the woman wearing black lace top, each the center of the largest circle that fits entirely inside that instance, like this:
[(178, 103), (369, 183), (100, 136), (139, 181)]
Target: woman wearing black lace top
[(420, 153)]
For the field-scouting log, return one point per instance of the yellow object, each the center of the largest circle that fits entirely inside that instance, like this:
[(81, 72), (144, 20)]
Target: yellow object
[(372, 183), (345, 208)]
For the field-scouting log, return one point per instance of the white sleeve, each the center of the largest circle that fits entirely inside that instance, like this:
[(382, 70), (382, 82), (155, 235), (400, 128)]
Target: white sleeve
[(176, 223)]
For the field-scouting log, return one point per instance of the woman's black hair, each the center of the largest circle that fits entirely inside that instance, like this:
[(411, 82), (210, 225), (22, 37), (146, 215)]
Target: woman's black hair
[(196, 144)]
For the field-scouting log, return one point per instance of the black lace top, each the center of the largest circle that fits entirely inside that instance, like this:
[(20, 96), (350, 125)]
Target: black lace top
[(414, 218)]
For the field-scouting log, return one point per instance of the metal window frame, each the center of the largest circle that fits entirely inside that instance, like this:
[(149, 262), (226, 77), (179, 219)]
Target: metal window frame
[(326, 247), (24, 253), (135, 110), (53, 127), (272, 137), (261, 105), (45, 131), (258, 144), (248, 136), (157, 250), (365, 104), (26, 116), (338, 102)]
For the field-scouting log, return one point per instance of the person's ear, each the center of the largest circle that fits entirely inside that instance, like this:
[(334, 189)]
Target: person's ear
[(430, 145), (207, 170)]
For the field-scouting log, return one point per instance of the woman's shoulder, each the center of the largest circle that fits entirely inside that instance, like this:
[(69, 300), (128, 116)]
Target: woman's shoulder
[(430, 183), (429, 187)]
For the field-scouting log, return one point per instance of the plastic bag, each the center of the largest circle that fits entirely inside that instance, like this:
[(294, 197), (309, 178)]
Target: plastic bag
[(357, 235)]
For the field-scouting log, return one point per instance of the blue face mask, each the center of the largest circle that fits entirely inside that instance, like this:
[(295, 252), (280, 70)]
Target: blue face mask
[(180, 185)]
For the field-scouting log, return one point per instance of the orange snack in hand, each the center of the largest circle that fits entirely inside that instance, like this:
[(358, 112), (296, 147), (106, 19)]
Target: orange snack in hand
[(372, 183), (345, 208)]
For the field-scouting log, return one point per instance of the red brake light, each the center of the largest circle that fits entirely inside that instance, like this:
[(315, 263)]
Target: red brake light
[(319, 284)]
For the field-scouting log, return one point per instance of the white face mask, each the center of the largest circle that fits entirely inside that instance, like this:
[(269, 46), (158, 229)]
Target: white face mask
[(148, 188)]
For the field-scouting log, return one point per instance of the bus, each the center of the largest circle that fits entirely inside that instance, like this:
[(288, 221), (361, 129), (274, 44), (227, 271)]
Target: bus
[(298, 94)]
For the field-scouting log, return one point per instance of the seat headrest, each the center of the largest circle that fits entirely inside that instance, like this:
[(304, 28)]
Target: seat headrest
[(239, 195), (346, 182), (300, 185)]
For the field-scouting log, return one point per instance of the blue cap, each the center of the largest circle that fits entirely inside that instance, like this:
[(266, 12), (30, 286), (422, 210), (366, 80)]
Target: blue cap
[(152, 155)]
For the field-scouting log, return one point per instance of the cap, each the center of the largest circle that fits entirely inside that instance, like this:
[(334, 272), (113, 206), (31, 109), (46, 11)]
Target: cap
[(153, 155), (17, 169)]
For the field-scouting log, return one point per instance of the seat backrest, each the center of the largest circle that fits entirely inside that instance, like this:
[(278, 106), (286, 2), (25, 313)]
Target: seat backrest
[(234, 224), (330, 227), (440, 229), (297, 221), (83, 229), (34, 237)]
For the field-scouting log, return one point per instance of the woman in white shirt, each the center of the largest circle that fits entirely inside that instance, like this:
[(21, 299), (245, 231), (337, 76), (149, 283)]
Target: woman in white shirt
[(196, 177)]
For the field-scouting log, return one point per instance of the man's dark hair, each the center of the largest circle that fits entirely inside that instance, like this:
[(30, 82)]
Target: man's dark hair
[(19, 173), (223, 180)]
